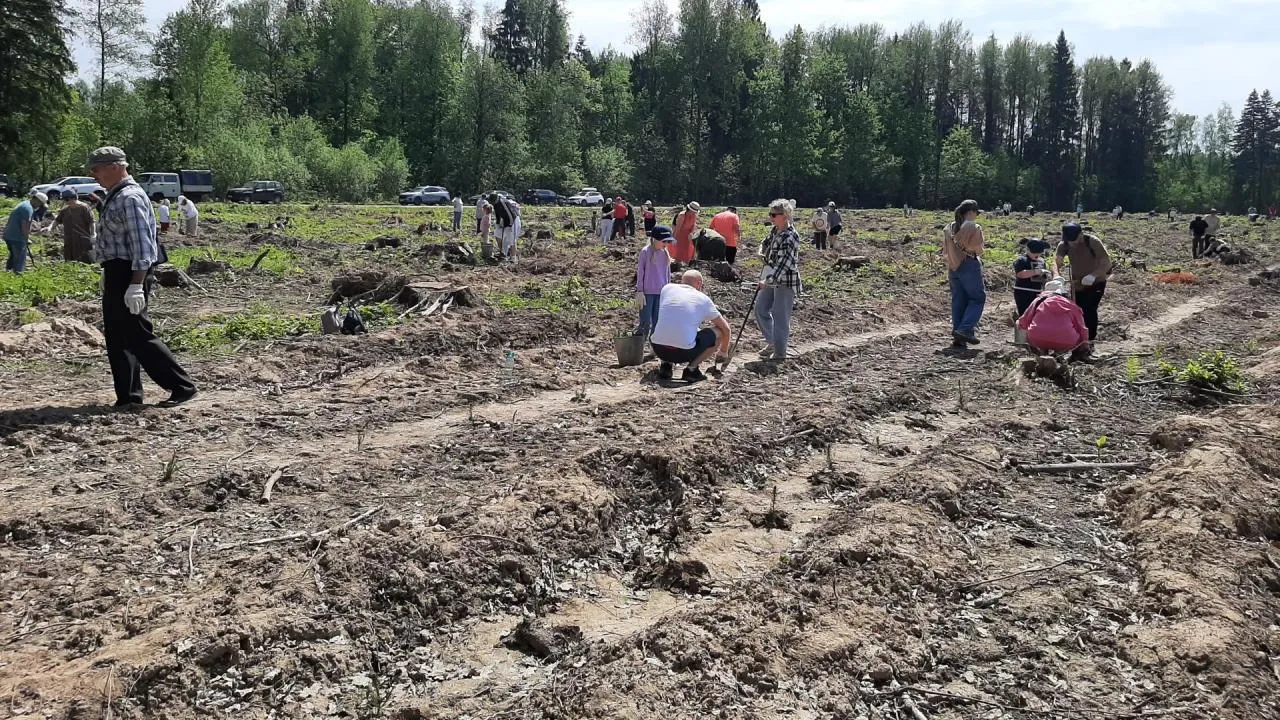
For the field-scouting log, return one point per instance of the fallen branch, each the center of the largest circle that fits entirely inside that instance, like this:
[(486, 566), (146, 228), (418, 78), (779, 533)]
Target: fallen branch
[(983, 463), (1072, 467), (187, 278), (1024, 572), (191, 552), (271, 483), (303, 535), (498, 538)]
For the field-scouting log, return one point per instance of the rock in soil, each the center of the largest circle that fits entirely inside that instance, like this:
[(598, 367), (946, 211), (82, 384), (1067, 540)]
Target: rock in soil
[(168, 276), (201, 266)]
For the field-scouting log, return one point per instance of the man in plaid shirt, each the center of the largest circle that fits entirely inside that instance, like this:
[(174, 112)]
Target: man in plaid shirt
[(126, 247), (779, 281)]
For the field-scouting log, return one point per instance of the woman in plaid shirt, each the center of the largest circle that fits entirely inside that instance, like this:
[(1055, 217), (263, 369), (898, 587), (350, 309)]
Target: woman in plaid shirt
[(779, 281)]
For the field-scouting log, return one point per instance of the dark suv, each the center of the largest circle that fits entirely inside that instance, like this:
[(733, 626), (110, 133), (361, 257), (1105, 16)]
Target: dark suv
[(258, 191), (542, 197), (6, 190)]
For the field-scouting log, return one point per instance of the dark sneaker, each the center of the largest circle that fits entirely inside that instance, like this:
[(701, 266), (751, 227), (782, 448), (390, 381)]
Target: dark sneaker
[(178, 398), (968, 338), (665, 371), (692, 375), (127, 404)]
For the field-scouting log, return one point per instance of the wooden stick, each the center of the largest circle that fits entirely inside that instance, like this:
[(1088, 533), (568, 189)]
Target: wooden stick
[(518, 543), (191, 548), (261, 257), (187, 278), (301, 535), (271, 483), (1068, 561), (1072, 467), (983, 463)]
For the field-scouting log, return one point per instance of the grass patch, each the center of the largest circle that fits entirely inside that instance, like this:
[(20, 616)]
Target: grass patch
[(30, 316), (260, 322), (49, 282), (277, 261), (573, 295)]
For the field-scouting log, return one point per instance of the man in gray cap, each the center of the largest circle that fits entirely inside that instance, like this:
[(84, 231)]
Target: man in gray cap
[(127, 249)]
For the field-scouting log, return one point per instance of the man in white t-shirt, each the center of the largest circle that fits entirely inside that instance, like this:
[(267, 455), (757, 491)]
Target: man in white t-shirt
[(679, 338)]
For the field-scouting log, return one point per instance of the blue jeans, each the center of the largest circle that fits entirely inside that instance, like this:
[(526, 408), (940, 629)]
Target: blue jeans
[(968, 296), (649, 314), (17, 261), (773, 315)]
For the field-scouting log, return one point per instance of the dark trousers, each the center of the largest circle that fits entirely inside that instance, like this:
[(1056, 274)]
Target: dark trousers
[(820, 239), (132, 343), (1199, 244), (1088, 299), (730, 254), (619, 228)]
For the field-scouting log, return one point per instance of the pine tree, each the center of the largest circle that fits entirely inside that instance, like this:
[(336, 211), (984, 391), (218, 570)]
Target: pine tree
[(33, 61), (992, 81), (1255, 149), (511, 38), (1056, 132)]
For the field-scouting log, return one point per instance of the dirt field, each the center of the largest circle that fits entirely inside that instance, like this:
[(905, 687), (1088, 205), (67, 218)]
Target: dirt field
[(399, 525)]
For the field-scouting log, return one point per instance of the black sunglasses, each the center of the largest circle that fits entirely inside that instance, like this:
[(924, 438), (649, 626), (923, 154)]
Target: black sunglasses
[(773, 214)]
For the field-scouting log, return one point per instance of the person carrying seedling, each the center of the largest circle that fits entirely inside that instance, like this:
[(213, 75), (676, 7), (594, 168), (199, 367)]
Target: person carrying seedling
[(678, 336), (1055, 324), (653, 272), (1030, 274), (1090, 268), (962, 245), (1198, 241)]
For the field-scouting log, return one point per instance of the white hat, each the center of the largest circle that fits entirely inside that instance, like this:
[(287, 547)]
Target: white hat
[(40, 197), (694, 207), (1057, 287)]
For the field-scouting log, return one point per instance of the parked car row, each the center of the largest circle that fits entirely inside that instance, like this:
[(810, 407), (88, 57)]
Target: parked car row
[(436, 195)]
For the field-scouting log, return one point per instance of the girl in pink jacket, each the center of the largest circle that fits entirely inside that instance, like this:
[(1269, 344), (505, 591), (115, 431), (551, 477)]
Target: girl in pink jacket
[(1054, 323)]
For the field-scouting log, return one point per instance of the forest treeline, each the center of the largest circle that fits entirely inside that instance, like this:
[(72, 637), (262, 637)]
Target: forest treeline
[(352, 99)]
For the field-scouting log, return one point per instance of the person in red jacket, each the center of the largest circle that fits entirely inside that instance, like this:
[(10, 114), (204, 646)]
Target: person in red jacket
[(619, 217), (1054, 323)]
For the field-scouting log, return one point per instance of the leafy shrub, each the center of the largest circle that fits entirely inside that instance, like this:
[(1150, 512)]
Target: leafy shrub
[(1211, 370)]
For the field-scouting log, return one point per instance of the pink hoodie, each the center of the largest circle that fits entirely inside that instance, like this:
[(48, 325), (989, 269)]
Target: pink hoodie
[(1053, 322)]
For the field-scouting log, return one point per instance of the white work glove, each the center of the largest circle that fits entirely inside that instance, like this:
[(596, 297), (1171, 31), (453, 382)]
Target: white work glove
[(1088, 280), (640, 299), (135, 299)]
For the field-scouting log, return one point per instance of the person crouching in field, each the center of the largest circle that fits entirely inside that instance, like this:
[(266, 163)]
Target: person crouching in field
[(653, 272), (1055, 324), (962, 245), (1030, 274)]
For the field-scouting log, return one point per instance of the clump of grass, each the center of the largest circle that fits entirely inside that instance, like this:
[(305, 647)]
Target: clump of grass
[(30, 316), (49, 282), (256, 323), (573, 295), (277, 261), (1212, 370)]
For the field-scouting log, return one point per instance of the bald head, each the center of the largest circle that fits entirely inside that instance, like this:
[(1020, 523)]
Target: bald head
[(692, 278)]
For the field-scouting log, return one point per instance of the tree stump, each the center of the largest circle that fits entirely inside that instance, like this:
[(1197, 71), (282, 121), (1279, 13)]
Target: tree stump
[(200, 266), (850, 264)]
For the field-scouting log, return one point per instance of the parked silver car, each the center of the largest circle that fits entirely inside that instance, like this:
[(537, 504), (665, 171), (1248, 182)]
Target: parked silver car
[(425, 195)]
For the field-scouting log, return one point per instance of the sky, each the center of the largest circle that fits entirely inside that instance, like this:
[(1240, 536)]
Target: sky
[(1208, 51)]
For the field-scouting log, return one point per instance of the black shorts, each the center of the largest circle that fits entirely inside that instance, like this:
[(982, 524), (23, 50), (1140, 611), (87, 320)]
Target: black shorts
[(705, 340), (835, 230)]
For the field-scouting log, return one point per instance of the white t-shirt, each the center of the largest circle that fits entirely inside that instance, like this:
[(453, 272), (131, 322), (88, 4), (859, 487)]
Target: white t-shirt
[(457, 204), (189, 211), (681, 311), (164, 213)]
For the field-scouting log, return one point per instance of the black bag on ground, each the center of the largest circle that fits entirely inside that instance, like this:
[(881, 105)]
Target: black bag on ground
[(353, 324)]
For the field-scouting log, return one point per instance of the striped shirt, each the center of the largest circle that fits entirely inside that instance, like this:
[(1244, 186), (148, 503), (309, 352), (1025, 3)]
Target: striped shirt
[(127, 227)]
